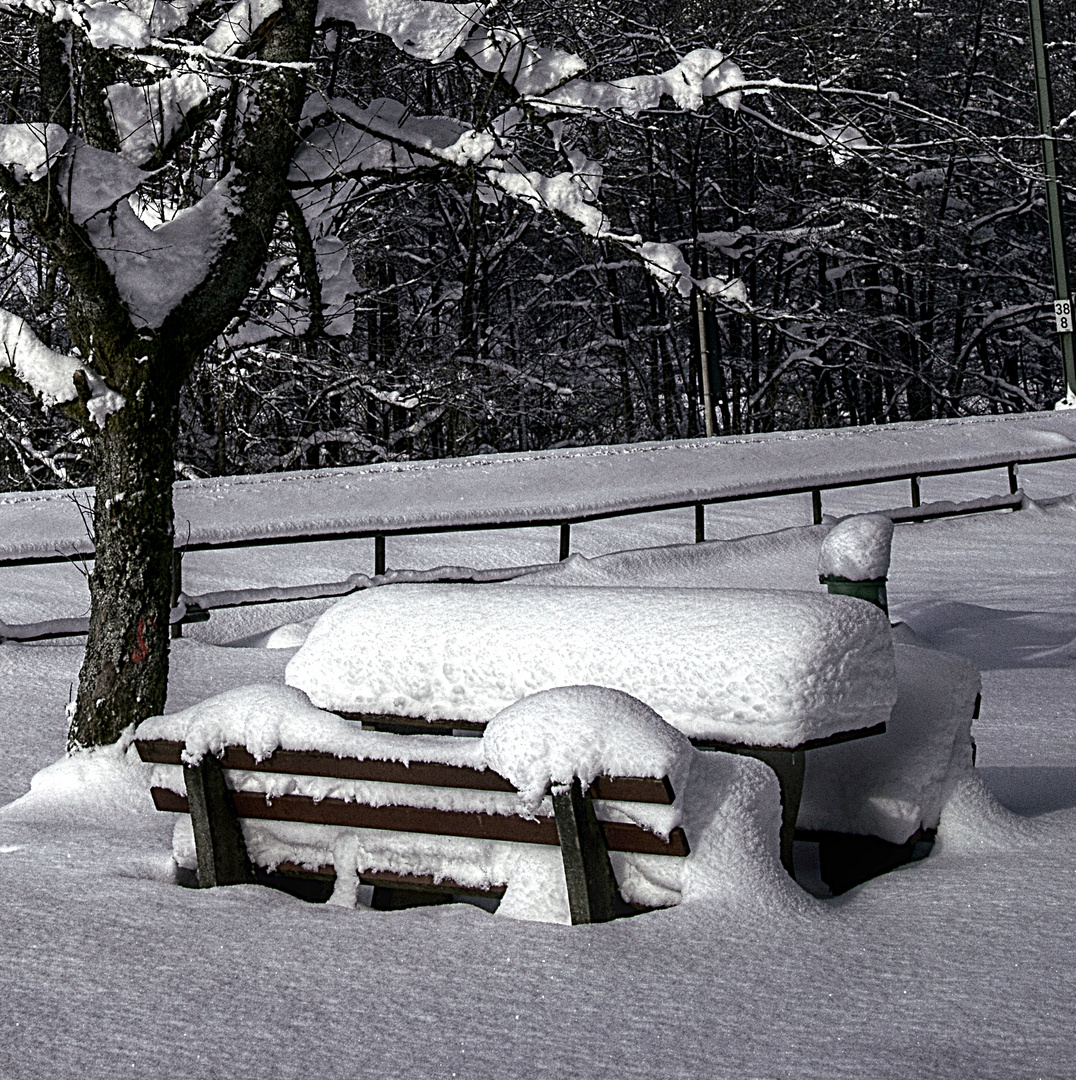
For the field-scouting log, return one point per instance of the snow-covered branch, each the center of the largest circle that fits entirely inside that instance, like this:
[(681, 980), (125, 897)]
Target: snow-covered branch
[(701, 74), (51, 375), (424, 29), (29, 150)]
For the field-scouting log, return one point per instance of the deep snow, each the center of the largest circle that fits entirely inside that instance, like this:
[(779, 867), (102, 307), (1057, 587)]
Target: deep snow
[(761, 667), (961, 965)]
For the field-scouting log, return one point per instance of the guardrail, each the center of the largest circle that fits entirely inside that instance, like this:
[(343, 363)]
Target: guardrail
[(557, 489), (197, 608)]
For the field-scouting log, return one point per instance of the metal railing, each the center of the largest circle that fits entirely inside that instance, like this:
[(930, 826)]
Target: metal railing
[(193, 608)]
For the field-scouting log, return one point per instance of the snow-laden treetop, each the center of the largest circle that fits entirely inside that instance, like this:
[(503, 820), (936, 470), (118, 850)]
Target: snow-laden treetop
[(183, 76)]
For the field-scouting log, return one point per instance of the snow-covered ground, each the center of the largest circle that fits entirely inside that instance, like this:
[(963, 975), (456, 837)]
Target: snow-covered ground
[(963, 965)]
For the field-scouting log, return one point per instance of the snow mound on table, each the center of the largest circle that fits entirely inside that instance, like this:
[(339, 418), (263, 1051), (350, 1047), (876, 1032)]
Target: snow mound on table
[(545, 740), (893, 784), (857, 548), (757, 667), (787, 559)]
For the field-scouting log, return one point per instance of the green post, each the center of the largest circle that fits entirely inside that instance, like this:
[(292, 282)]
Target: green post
[(871, 591), (1063, 314)]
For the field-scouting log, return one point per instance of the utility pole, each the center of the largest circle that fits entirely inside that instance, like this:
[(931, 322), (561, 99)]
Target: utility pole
[(1063, 315)]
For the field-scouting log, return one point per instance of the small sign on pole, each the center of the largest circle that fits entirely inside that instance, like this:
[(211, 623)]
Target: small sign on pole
[(1063, 316)]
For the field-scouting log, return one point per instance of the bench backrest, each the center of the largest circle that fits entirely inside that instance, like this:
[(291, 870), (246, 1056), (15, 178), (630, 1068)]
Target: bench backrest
[(584, 841)]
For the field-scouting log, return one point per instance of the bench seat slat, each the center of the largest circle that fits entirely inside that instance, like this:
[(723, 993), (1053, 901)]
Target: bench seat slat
[(410, 725), (619, 836), (389, 879), (429, 774)]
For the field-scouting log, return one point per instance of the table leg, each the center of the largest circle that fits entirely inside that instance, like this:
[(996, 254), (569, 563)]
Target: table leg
[(788, 766)]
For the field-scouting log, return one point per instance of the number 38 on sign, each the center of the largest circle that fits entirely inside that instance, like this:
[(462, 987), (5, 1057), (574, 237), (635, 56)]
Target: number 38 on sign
[(1063, 316)]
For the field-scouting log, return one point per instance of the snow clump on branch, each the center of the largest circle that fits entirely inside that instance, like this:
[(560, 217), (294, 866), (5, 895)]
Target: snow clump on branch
[(424, 29), (30, 149), (51, 375)]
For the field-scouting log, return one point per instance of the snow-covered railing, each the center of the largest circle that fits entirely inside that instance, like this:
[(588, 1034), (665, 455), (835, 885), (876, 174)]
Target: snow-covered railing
[(554, 489), (197, 608)]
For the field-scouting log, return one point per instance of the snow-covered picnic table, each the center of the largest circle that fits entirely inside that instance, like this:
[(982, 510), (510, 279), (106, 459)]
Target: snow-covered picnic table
[(570, 654), (763, 672), (747, 666)]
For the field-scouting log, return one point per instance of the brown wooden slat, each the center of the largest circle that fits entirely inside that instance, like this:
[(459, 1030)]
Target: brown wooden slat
[(318, 763), (619, 836), (431, 774), (810, 744), (624, 836), (326, 870), (412, 724), (403, 881), (169, 801), (645, 789)]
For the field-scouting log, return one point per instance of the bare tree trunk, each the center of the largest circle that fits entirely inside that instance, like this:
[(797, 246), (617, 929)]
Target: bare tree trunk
[(125, 671), (124, 675)]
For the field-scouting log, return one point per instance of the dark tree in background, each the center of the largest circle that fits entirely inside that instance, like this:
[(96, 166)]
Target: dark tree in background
[(885, 218)]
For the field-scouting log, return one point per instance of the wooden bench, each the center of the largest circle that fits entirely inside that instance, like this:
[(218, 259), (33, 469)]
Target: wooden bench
[(584, 841)]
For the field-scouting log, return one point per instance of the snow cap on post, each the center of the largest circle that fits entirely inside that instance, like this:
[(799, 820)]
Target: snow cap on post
[(854, 559), (548, 739)]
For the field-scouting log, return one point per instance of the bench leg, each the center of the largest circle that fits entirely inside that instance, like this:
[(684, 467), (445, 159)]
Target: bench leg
[(593, 895), (218, 837)]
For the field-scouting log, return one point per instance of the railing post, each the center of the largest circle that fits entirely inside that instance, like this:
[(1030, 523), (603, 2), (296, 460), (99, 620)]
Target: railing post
[(565, 540), (1014, 484), (916, 497), (379, 555), (700, 523), (816, 505)]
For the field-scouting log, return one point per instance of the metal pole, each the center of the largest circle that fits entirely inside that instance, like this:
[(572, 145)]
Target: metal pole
[(704, 365), (1062, 289)]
